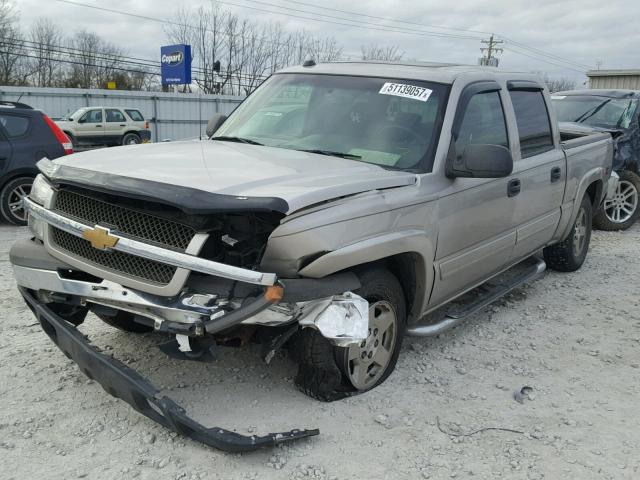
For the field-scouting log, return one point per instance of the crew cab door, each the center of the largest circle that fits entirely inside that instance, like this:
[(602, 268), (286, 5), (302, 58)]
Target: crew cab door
[(539, 167), (90, 126), (476, 216), (115, 125)]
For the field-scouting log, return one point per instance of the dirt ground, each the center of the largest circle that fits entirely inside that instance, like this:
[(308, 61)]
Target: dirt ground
[(573, 338)]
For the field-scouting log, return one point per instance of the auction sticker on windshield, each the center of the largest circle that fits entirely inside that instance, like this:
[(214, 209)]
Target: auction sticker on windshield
[(407, 91)]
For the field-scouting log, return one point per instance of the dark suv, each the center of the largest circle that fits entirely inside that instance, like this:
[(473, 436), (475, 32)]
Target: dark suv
[(26, 136)]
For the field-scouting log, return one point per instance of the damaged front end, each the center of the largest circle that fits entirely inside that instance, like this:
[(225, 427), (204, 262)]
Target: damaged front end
[(213, 287)]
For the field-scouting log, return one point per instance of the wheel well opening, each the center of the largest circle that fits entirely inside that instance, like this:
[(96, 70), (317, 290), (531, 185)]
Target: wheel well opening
[(404, 266), (595, 191)]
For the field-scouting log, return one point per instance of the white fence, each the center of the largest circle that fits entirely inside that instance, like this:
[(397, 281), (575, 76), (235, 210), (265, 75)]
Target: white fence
[(171, 116)]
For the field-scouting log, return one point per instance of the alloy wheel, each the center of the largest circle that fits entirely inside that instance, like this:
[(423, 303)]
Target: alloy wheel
[(623, 205)]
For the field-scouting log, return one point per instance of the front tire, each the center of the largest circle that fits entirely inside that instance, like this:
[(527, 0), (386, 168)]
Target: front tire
[(569, 255), (11, 200), (620, 212), (329, 373)]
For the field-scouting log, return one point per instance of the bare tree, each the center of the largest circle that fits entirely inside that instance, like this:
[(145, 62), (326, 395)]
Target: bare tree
[(385, 54), (560, 84), (45, 38), (13, 67)]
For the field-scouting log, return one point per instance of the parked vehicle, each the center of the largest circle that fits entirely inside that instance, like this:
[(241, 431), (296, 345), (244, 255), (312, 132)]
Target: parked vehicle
[(617, 112), (106, 126), (332, 211), (26, 136)]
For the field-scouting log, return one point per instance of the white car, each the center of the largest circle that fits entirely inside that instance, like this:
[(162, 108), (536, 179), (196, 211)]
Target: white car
[(106, 126)]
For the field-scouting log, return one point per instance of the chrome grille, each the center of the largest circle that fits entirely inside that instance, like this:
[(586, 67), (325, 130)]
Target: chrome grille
[(124, 220), (118, 262)]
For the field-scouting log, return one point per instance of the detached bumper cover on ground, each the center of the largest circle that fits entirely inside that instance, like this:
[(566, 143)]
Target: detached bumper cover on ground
[(126, 384)]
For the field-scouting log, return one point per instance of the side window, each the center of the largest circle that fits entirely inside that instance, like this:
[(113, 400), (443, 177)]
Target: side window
[(14, 125), (92, 116), (532, 118), (114, 115), (135, 115), (483, 122)]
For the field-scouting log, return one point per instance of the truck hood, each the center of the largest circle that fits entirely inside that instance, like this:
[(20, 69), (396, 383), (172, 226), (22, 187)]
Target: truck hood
[(228, 170)]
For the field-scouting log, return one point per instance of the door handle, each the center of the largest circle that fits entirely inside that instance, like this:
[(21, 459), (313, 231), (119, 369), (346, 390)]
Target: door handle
[(513, 187), (123, 125), (556, 174), (98, 126)]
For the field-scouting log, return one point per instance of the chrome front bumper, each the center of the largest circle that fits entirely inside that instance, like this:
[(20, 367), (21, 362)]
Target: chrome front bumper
[(187, 314)]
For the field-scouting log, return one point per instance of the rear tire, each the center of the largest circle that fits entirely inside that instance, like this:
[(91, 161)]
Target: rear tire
[(131, 139), (329, 373), (569, 255), (124, 321), (622, 211), (11, 200)]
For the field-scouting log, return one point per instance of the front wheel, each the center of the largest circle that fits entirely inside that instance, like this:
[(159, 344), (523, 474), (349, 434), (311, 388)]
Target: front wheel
[(330, 373), (569, 255), (11, 198), (620, 212)]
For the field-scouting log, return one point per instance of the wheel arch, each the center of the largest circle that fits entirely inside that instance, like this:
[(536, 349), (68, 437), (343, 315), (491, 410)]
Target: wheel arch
[(409, 256)]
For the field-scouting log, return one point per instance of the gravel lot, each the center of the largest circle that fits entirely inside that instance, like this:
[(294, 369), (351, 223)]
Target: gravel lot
[(574, 338)]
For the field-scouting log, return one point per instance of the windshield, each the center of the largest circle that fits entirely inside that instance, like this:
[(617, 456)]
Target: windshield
[(388, 122), (602, 112), (76, 114)]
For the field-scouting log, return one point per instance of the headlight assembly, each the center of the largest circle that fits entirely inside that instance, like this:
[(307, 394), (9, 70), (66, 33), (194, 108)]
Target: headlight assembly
[(41, 191)]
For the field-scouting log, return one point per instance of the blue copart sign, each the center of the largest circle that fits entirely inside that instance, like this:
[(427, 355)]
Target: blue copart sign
[(175, 63)]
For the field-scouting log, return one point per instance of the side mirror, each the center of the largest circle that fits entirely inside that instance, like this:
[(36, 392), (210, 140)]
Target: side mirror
[(481, 161), (215, 122)]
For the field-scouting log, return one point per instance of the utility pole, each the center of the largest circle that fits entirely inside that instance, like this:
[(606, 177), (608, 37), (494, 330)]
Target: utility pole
[(490, 59)]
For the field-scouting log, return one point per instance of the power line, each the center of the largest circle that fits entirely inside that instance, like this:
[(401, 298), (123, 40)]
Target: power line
[(507, 39), (402, 29), (511, 49), (389, 19)]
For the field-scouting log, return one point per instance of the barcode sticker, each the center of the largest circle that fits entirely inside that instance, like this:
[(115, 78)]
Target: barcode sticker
[(407, 91)]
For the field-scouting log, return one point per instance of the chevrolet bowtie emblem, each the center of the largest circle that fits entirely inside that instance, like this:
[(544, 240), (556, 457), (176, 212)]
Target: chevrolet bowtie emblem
[(100, 238)]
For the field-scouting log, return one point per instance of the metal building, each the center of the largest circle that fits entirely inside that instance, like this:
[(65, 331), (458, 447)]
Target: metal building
[(624, 79), (172, 116)]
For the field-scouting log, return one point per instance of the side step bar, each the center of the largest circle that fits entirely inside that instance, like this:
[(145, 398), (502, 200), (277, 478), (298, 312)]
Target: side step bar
[(483, 295)]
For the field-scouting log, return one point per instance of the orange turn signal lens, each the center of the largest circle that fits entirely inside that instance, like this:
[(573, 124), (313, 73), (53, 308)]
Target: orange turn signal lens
[(274, 293)]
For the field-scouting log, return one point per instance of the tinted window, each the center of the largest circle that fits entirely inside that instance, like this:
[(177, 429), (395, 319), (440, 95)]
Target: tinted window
[(114, 115), (483, 122), (14, 125), (532, 119), (92, 116), (135, 115)]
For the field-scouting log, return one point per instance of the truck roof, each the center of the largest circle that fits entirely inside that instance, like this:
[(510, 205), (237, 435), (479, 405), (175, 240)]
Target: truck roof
[(430, 71), (595, 92)]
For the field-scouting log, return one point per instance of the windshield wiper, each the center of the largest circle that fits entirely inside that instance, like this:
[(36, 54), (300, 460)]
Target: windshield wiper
[(236, 139), (592, 112), (331, 153)]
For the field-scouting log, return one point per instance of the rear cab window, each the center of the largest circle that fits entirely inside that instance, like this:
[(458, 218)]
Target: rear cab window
[(135, 115), (14, 125), (532, 119)]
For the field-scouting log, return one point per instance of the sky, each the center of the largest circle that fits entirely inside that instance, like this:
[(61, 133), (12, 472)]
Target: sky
[(569, 35)]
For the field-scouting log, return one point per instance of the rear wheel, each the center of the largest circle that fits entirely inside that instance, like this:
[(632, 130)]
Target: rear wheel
[(569, 255), (11, 198), (620, 212), (131, 139), (329, 373)]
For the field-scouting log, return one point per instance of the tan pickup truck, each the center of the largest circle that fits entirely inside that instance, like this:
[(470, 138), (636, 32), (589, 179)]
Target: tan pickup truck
[(106, 126), (339, 208)]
